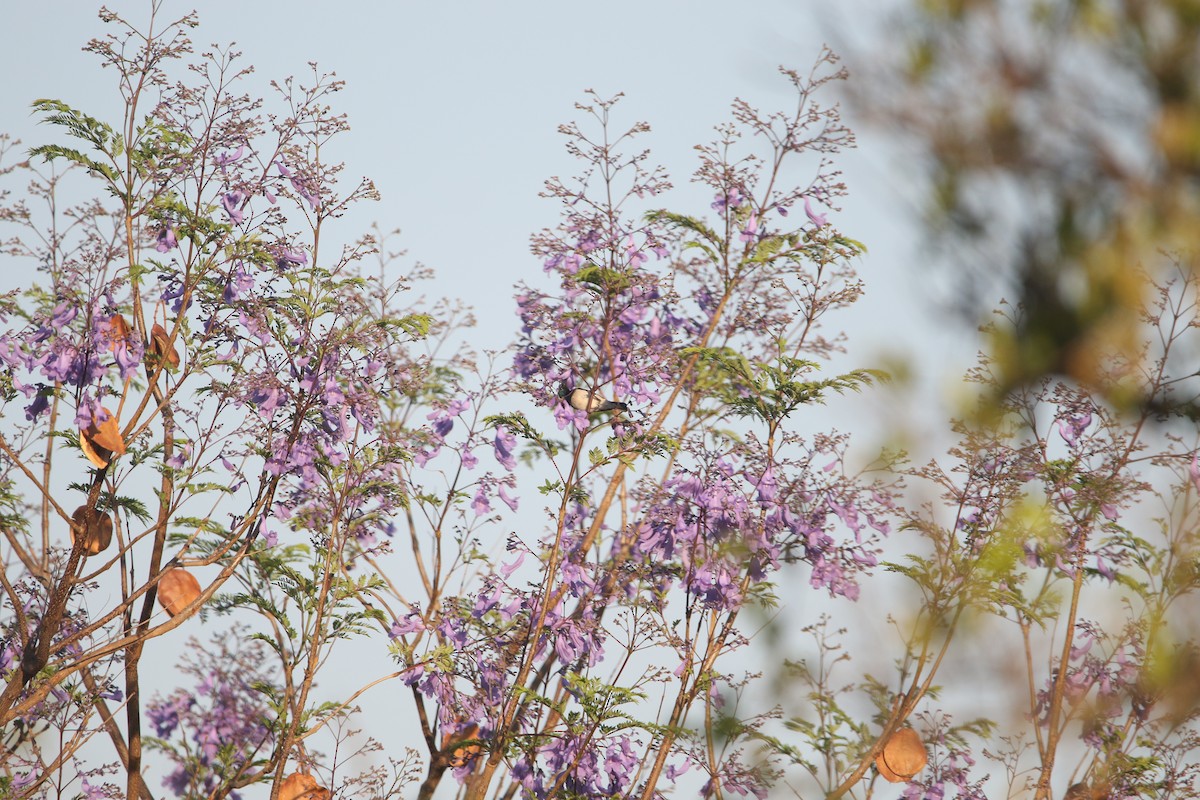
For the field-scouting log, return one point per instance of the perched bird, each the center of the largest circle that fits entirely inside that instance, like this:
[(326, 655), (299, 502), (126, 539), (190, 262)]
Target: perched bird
[(590, 402)]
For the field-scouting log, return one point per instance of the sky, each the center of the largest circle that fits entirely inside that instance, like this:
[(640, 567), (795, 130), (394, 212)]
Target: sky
[(454, 109)]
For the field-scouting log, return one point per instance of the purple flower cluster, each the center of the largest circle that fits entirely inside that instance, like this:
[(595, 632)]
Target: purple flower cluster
[(733, 519), (581, 765), (1098, 684), (223, 724), (243, 178)]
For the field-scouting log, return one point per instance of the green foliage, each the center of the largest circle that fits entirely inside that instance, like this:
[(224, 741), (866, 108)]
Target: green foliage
[(771, 392), (604, 281), (601, 704), (711, 244), (86, 128)]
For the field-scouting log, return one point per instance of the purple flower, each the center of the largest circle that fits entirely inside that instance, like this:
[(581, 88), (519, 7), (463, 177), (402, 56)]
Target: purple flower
[(41, 402), (1073, 426), (767, 490), (619, 763), (22, 780), (423, 457), (864, 558), (233, 201), (633, 253), (509, 501), (480, 504), (506, 570), (178, 781), (673, 771), (65, 363), (730, 199), (302, 189), (180, 458), (174, 291), (288, 257), (164, 716), (485, 602), (267, 399), (413, 674), (916, 791), (816, 219), (751, 231), (504, 444), (166, 241), (225, 159), (128, 358), (564, 415), (62, 315), (410, 623), (241, 282), (442, 423)]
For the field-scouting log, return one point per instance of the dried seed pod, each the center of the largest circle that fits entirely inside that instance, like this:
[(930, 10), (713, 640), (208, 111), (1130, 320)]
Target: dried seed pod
[(97, 529), (101, 441), (1081, 791), (177, 589), (467, 749), (902, 757), (160, 345), (97, 455), (118, 330), (302, 786)]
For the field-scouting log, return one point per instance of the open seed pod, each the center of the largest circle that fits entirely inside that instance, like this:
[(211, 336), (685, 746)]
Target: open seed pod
[(902, 757), (97, 529), (467, 749), (302, 786), (160, 345), (177, 588), (1082, 791), (119, 329), (101, 441)]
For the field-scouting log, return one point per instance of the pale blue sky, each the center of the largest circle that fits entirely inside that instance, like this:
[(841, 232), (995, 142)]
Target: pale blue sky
[(454, 108)]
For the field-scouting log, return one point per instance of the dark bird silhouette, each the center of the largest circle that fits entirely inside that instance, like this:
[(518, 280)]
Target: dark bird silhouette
[(590, 402)]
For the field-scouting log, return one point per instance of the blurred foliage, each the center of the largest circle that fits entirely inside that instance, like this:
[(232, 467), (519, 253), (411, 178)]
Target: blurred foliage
[(1062, 145)]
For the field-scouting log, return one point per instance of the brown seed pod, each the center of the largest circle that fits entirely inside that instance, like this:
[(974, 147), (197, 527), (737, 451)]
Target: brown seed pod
[(902, 757), (160, 345), (101, 441), (467, 749), (97, 529), (118, 330), (1081, 791), (302, 786), (97, 455), (177, 588)]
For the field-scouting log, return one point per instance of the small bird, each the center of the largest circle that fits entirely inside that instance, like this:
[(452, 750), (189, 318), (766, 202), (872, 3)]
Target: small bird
[(591, 402)]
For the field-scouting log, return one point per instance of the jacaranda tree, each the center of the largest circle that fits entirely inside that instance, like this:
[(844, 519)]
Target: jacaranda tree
[(239, 461)]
